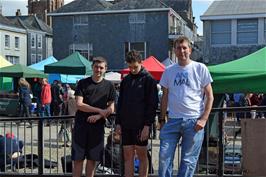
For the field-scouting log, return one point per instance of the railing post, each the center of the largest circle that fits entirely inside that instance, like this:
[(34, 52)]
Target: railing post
[(221, 145), (40, 146)]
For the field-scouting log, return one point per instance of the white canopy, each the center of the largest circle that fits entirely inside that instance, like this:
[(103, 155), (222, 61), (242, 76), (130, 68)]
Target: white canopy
[(113, 76)]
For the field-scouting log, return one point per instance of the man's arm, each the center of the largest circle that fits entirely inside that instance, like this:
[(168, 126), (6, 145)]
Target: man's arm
[(110, 108), (87, 108), (208, 106), (164, 103)]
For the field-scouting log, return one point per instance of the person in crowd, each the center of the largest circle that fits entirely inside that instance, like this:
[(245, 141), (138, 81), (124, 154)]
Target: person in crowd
[(237, 98), (36, 91), (255, 100), (57, 98), (263, 103), (112, 153), (136, 111), (154, 125), (70, 109), (187, 92), (10, 148), (24, 98), (95, 98), (46, 98)]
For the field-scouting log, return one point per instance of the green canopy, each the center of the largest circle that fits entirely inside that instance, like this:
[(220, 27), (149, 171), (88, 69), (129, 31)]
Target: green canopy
[(247, 74), (5, 83), (74, 64), (19, 70)]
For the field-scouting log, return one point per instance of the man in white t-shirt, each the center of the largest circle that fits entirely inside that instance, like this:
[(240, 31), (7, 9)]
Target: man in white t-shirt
[(187, 93)]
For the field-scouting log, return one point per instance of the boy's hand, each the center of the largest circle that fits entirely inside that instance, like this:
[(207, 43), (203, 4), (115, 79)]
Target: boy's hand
[(118, 129), (145, 133), (93, 118)]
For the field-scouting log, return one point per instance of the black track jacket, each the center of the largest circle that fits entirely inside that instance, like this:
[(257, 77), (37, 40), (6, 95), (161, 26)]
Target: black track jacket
[(138, 101)]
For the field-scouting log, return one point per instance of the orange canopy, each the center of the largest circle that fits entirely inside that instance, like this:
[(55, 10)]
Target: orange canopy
[(152, 65)]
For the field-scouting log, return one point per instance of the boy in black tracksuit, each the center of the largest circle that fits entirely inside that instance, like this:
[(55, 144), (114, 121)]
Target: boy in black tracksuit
[(136, 110)]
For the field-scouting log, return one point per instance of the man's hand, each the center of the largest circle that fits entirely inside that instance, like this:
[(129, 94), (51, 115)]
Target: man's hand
[(118, 129), (93, 118), (104, 113), (145, 133), (160, 125), (200, 124)]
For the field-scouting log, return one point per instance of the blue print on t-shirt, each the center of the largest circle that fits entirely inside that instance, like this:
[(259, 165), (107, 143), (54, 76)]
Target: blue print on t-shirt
[(181, 78)]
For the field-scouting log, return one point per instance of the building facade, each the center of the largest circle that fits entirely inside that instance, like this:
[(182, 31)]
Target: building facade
[(39, 37), (110, 30), (13, 42), (232, 29)]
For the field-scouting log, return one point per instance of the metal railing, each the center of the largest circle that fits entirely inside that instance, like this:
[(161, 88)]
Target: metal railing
[(47, 153)]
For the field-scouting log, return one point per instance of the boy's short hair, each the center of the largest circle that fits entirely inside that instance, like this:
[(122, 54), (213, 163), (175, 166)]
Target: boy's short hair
[(99, 60), (182, 39), (133, 56)]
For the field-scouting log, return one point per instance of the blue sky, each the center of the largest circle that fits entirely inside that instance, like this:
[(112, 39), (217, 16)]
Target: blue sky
[(199, 7), (9, 7)]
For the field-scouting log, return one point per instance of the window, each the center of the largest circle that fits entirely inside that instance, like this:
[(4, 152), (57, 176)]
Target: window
[(17, 42), (247, 31), (7, 41), (33, 40), (39, 41), (12, 59), (39, 58), (33, 58), (81, 20), (137, 18), (138, 46), (176, 26), (85, 50), (221, 32)]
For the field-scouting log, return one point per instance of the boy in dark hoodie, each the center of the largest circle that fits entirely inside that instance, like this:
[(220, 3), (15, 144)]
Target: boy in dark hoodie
[(136, 111)]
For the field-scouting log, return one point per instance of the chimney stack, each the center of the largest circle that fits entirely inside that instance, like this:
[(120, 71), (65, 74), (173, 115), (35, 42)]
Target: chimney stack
[(18, 13)]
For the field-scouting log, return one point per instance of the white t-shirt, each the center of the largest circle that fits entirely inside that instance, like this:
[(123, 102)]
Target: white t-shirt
[(186, 89)]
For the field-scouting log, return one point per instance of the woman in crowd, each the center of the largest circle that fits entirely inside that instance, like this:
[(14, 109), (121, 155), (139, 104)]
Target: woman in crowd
[(24, 98)]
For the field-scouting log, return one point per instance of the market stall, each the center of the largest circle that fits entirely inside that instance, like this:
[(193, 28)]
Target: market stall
[(5, 82), (74, 64), (64, 78), (9, 100), (152, 65)]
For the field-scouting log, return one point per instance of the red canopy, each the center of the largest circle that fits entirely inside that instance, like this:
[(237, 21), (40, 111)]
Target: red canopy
[(152, 65)]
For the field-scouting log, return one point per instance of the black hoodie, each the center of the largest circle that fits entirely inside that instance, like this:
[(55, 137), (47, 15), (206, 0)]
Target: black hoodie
[(138, 101)]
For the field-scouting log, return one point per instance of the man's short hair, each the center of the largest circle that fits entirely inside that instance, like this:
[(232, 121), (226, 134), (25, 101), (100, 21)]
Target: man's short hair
[(133, 56), (182, 39), (99, 60)]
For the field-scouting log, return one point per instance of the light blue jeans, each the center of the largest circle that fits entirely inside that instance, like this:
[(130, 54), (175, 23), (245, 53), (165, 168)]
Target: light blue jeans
[(45, 111), (170, 135)]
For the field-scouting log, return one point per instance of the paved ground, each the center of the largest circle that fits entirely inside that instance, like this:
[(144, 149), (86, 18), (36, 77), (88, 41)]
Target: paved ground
[(55, 149)]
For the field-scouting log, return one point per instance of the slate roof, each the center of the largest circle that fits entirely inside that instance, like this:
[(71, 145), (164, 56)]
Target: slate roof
[(5, 21), (31, 22), (236, 7), (138, 4), (178, 5), (84, 6), (102, 5)]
